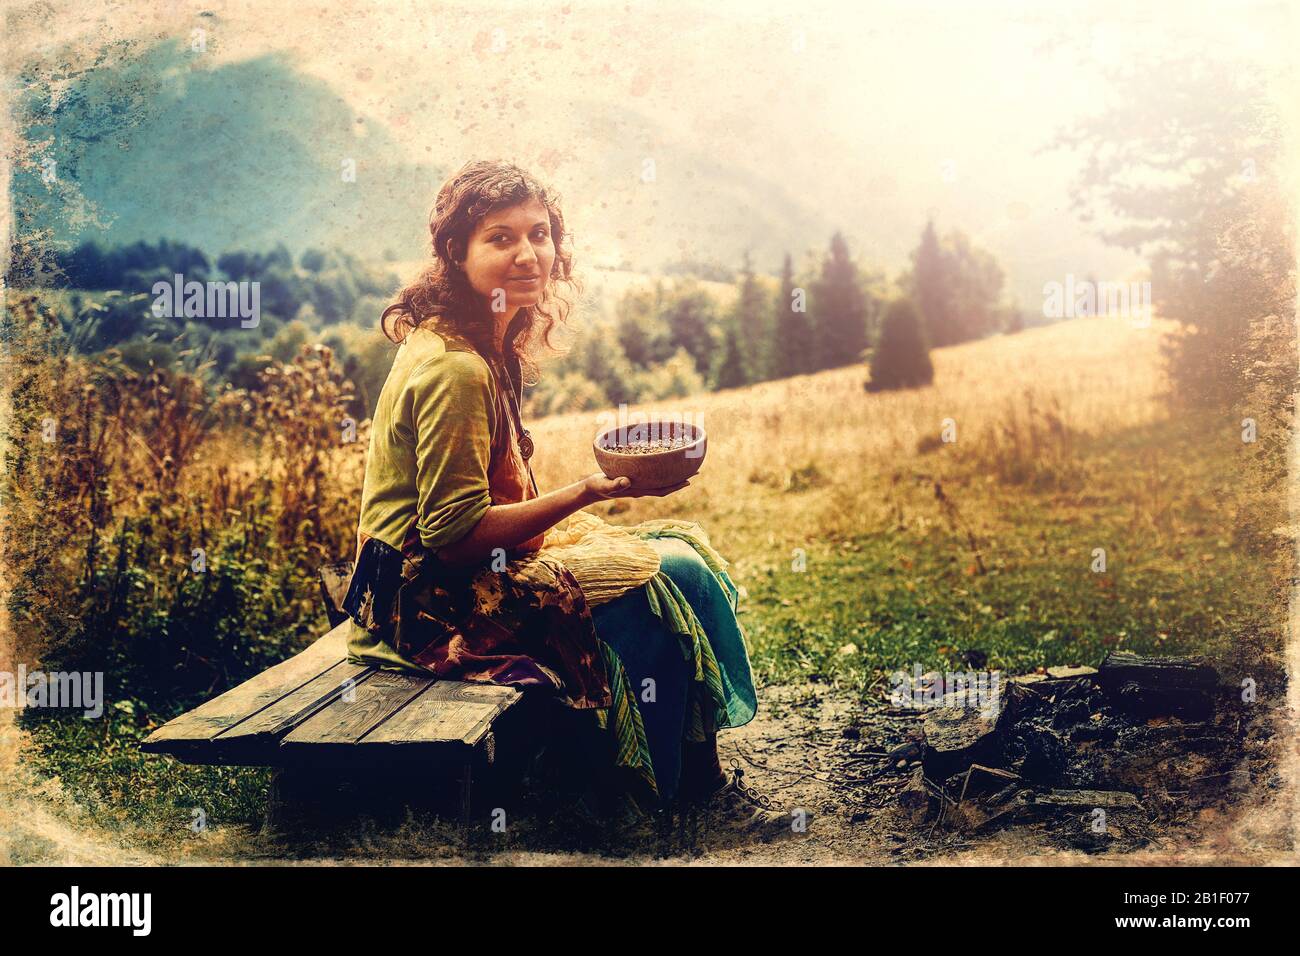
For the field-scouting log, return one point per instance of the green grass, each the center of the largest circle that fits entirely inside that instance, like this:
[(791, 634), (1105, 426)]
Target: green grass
[(99, 764), (1187, 571)]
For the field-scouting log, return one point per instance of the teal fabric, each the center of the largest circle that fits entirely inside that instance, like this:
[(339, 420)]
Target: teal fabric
[(649, 650)]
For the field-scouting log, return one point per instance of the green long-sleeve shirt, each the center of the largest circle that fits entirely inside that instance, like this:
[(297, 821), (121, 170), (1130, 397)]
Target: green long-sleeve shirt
[(427, 462), (430, 442)]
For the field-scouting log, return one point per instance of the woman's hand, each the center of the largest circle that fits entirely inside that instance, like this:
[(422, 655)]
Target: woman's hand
[(523, 524), (599, 486)]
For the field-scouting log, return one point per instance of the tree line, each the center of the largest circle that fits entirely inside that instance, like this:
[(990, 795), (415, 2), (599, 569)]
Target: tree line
[(102, 297), (329, 281), (670, 339), (673, 339)]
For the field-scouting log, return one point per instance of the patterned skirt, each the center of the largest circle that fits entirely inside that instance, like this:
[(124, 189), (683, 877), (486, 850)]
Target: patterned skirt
[(662, 664)]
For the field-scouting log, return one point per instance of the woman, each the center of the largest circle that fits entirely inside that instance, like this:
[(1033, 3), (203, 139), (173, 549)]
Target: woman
[(451, 575)]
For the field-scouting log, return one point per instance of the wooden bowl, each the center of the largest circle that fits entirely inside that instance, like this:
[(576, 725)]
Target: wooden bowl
[(651, 469)]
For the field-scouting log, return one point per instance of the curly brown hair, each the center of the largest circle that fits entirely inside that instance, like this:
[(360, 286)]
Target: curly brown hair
[(442, 290)]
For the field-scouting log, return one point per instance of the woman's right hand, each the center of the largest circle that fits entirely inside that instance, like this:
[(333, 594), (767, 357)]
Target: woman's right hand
[(602, 487)]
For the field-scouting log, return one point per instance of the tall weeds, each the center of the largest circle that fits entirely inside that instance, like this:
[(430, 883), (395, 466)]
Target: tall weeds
[(1028, 442), (161, 529)]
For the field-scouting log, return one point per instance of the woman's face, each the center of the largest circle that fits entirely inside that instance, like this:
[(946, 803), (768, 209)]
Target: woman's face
[(509, 256)]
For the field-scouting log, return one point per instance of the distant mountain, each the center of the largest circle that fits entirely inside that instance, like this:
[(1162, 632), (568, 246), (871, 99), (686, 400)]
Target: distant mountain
[(249, 154), (244, 155)]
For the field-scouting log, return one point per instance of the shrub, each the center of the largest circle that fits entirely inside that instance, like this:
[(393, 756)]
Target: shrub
[(901, 359)]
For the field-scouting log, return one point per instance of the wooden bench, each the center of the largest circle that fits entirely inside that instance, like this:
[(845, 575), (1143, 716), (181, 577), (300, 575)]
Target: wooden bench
[(317, 710)]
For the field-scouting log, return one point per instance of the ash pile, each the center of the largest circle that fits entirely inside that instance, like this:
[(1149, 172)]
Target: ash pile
[(1094, 758)]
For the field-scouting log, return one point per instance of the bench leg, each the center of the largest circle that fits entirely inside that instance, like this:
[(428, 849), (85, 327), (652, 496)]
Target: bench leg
[(305, 796), (466, 795), (273, 814), (287, 800)]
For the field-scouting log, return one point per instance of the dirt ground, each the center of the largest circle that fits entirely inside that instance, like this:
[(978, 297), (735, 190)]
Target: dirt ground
[(811, 746), (814, 747)]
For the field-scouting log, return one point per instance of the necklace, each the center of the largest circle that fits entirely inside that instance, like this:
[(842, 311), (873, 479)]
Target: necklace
[(525, 437)]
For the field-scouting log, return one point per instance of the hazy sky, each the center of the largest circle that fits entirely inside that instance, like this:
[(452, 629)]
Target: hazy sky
[(865, 116)]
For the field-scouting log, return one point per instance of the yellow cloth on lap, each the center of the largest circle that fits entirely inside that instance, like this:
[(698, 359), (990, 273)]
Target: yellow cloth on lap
[(606, 560)]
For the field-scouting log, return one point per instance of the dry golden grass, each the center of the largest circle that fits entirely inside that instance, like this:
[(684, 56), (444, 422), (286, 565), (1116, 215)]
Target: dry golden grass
[(823, 432)]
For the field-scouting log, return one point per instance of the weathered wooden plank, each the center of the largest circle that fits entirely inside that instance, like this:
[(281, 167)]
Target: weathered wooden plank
[(257, 738), (189, 733), (450, 712), (342, 723), (1155, 686), (334, 581), (1121, 667)]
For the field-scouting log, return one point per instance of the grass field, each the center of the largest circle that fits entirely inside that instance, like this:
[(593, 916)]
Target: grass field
[(1062, 446), (864, 542)]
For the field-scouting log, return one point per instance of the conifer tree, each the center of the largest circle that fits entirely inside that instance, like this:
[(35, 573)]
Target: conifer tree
[(752, 317), (901, 359), (839, 309), (956, 287), (929, 288), (731, 370), (794, 350)]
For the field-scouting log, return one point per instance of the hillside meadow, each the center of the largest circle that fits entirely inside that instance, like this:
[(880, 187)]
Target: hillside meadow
[(866, 541), (952, 526)]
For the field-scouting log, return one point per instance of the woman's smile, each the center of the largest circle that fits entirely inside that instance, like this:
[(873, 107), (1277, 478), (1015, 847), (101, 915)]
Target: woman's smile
[(511, 250)]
